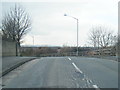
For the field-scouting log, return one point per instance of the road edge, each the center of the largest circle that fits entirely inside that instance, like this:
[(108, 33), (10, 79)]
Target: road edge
[(15, 66)]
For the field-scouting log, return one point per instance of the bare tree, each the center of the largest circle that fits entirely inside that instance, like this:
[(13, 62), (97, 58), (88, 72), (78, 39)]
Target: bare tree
[(101, 37), (15, 24), (93, 37)]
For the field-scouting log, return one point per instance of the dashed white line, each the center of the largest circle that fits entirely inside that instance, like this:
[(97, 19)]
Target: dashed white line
[(88, 81), (69, 58), (77, 68), (95, 86)]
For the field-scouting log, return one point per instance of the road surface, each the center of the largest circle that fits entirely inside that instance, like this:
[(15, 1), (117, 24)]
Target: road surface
[(64, 72)]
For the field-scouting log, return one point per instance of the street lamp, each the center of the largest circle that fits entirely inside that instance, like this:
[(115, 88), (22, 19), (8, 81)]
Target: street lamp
[(33, 40), (33, 46), (77, 30)]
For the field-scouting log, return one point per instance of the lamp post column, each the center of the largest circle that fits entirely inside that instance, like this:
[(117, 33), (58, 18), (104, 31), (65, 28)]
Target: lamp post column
[(77, 38), (77, 51)]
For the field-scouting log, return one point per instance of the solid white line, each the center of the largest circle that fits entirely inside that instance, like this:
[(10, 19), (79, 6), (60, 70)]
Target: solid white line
[(95, 86), (77, 68), (69, 58)]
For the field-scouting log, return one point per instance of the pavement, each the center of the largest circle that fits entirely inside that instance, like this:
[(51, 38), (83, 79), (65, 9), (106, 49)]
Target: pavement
[(10, 63), (64, 72)]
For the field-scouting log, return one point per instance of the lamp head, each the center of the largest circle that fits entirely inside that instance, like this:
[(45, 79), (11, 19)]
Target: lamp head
[(65, 14)]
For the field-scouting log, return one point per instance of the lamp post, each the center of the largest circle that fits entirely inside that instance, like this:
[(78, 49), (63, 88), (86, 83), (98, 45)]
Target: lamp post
[(33, 40), (33, 46), (77, 30)]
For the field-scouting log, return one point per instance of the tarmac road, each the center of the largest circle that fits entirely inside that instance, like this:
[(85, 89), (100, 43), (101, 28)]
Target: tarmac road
[(64, 72)]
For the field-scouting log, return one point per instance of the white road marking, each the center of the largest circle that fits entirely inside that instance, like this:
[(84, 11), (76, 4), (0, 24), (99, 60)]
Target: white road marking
[(91, 81), (77, 68), (77, 85), (69, 58), (95, 86), (88, 81)]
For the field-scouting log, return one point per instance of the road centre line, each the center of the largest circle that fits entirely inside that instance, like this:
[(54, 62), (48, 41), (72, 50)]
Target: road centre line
[(77, 68), (69, 58), (95, 86)]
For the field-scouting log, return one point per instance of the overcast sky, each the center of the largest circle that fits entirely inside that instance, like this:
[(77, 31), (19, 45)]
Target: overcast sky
[(51, 27)]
